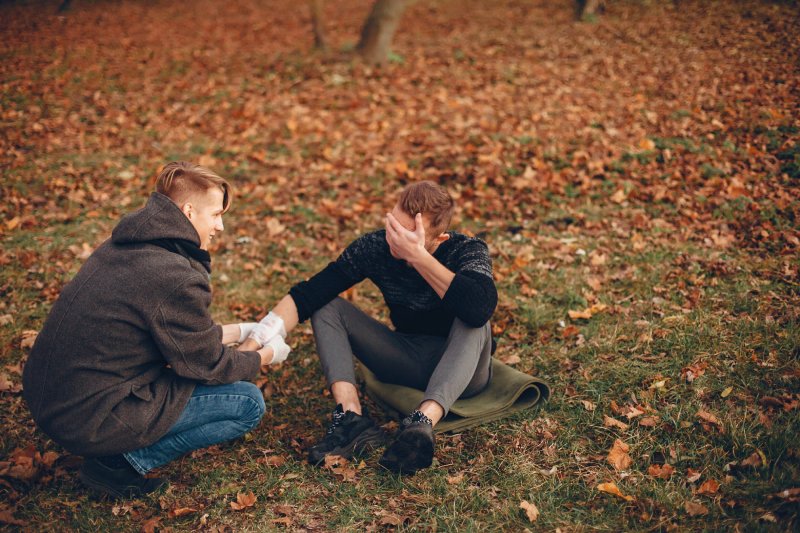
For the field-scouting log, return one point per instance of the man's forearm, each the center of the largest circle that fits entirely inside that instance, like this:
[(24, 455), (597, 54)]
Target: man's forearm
[(438, 276)]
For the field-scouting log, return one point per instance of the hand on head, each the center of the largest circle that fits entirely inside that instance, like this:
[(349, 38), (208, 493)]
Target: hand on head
[(404, 243)]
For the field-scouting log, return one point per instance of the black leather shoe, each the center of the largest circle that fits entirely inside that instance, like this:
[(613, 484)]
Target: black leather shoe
[(413, 446), (113, 483), (349, 434)]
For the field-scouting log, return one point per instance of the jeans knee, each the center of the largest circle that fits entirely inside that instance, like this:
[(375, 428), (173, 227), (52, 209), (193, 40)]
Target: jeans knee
[(253, 406)]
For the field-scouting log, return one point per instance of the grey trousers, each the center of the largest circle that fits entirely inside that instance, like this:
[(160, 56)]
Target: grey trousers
[(458, 366)]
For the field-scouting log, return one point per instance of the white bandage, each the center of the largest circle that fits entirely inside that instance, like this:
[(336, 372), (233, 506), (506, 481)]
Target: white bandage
[(245, 329), (280, 350), (274, 321)]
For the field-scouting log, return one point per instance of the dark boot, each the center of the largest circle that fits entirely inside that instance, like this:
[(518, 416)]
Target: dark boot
[(348, 434), (413, 446), (116, 480)]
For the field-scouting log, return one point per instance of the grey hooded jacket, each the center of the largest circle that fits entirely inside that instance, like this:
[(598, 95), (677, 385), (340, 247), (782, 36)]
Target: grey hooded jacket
[(128, 339)]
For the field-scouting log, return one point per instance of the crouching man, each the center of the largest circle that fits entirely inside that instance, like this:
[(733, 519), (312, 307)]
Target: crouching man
[(440, 293), (129, 370)]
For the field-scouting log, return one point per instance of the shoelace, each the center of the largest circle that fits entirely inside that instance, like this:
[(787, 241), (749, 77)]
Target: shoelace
[(417, 416), (337, 419)]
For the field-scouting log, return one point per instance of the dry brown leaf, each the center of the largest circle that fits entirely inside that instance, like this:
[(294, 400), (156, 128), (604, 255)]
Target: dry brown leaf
[(181, 511), (632, 412), (695, 509), (243, 501), (456, 479), (649, 421), (613, 422), (589, 406), (618, 455), (530, 509), (150, 525), (579, 314), (692, 475), (661, 471), (708, 417), (757, 459), (7, 517), (611, 488), (274, 227), (272, 460), (709, 487), (28, 338)]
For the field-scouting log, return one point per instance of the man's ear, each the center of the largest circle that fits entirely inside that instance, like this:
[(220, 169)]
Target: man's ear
[(441, 238), (188, 210)]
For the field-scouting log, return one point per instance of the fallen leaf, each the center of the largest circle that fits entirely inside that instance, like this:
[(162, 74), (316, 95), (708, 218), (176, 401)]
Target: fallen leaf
[(7, 517), (589, 406), (757, 459), (695, 509), (709, 487), (611, 488), (649, 421), (28, 338), (693, 475), (181, 511), (619, 196), (456, 479), (274, 227), (579, 314), (530, 510), (512, 359), (726, 392), (272, 460), (708, 417), (613, 422), (618, 455), (632, 412), (391, 519), (661, 471), (149, 526), (243, 501)]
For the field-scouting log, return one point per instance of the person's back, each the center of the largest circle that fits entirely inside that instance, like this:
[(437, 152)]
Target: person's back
[(129, 363)]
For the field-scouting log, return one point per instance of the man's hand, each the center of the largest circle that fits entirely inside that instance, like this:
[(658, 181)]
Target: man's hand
[(404, 244)]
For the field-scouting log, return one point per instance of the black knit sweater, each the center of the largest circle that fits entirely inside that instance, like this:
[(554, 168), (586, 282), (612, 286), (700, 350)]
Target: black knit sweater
[(413, 304)]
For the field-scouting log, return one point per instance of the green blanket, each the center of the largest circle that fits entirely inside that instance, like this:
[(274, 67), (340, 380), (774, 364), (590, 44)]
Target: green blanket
[(509, 391)]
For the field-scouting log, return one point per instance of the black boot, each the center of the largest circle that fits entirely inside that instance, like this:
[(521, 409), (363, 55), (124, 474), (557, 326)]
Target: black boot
[(348, 434), (108, 477), (413, 446)]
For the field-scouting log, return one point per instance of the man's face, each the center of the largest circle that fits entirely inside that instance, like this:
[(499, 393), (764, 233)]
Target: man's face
[(407, 221), (205, 214)]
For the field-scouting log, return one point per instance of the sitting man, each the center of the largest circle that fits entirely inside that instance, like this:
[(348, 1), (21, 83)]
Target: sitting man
[(440, 293), (129, 369)]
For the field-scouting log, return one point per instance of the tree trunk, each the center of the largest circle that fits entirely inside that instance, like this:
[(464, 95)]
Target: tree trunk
[(378, 30), (591, 8), (316, 25)]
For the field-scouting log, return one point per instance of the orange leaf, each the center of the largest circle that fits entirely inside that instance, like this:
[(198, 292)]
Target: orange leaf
[(709, 487), (708, 417), (661, 471), (181, 511), (243, 501), (695, 509), (618, 456), (530, 510), (611, 488), (613, 422)]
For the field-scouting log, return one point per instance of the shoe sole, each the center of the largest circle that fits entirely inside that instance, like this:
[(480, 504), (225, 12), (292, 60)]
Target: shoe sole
[(411, 451), (369, 439), (102, 491)]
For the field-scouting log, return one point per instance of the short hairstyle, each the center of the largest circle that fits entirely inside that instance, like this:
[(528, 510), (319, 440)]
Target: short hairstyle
[(430, 199), (180, 180)]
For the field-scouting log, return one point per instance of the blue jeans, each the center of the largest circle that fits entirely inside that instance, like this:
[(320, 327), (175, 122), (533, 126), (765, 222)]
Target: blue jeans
[(214, 414)]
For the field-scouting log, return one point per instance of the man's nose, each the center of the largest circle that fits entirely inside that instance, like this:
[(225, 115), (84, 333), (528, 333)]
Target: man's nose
[(220, 226)]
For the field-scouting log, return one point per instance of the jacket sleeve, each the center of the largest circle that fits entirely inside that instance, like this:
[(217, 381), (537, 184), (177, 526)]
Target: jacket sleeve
[(191, 342), (472, 295)]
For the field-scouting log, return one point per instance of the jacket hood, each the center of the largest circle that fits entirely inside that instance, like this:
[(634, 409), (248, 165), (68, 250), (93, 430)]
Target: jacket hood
[(159, 219)]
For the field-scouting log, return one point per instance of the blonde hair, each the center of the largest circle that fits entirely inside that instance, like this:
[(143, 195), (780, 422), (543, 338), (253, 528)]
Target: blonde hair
[(430, 199), (180, 180)]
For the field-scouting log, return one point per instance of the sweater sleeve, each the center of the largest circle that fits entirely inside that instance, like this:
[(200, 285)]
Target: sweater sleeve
[(191, 342), (472, 295), (350, 268)]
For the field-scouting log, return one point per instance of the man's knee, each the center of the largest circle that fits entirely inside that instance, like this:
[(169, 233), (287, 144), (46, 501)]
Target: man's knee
[(252, 405), (330, 311), (460, 327)]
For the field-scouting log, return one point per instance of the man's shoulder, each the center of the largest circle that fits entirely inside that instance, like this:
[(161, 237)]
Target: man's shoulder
[(459, 242)]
